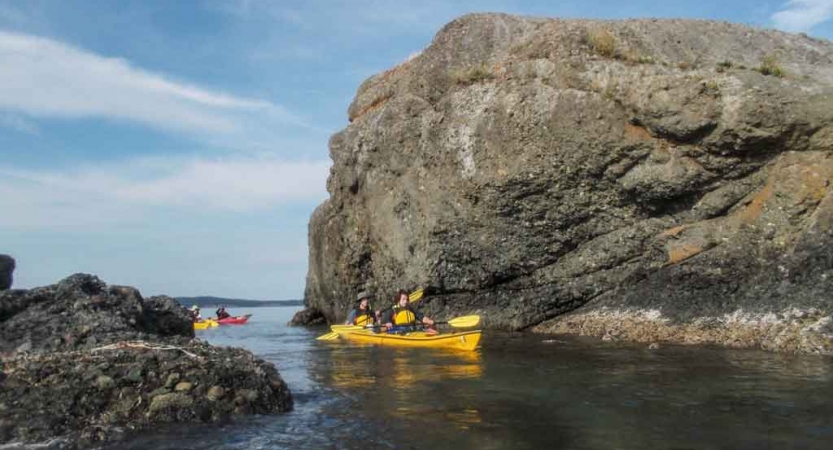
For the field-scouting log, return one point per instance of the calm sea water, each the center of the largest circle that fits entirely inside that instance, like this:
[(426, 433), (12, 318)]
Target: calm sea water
[(519, 392)]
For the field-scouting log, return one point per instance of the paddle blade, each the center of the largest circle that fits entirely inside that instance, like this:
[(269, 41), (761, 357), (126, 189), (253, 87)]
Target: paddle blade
[(464, 321), (327, 337), (416, 295)]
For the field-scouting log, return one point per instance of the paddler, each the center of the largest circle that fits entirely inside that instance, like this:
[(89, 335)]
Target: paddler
[(222, 313), (195, 313), (362, 314), (403, 317)]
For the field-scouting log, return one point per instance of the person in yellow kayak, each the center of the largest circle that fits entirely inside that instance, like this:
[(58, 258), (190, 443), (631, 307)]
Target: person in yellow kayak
[(403, 318), (195, 313), (362, 314)]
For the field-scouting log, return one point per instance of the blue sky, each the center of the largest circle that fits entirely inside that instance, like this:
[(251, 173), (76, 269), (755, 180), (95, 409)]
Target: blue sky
[(180, 147)]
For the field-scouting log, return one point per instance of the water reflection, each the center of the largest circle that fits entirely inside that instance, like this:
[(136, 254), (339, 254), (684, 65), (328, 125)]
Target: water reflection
[(363, 366), (517, 393)]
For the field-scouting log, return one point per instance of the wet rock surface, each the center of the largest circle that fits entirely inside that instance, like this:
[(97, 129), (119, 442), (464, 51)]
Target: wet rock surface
[(83, 362), (525, 169), (308, 316)]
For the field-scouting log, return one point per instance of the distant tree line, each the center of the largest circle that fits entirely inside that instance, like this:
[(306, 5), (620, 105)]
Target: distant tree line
[(208, 301)]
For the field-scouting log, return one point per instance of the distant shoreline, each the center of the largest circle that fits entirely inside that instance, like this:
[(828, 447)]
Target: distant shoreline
[(208, 301)]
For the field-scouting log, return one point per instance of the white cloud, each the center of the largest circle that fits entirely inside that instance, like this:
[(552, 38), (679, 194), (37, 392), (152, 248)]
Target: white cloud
[(234, 185), (802, 15), (46, 78), (103, 195)]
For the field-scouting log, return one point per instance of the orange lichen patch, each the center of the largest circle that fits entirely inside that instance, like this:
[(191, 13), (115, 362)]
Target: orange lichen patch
[(673, 231), (815, 185), (394, 70), (501, 70), (694, 164), (637, 133), (683, 252), (753, 210), (379, 101), (383, 78)]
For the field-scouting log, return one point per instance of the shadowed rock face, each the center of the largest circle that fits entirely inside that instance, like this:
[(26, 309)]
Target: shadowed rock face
[(6, 271), (85, 362), (529, 168)]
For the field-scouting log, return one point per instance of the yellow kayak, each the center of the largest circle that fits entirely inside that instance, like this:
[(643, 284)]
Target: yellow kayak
[(204, 324), (460, 340)]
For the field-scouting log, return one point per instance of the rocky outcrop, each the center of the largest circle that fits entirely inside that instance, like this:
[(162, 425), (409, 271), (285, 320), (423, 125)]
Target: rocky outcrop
[(84, 362), (673, 171), (308, 316), (6, 271)]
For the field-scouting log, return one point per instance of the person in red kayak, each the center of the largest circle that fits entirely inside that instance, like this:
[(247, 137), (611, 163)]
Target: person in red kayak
[(403, 318), (222, 313), (363, 313)]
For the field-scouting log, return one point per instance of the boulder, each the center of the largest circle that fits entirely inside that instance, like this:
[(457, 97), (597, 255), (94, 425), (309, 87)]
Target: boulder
[(308, 316), (664, 172), (81, 311), (81, 362)]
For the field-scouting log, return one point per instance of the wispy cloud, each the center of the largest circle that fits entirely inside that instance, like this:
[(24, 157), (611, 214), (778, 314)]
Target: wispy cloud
[(802, 15), (102, 195), (46, 78)]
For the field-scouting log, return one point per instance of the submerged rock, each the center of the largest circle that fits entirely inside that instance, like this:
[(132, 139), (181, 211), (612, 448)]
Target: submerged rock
[(529, 168), (144, 367)]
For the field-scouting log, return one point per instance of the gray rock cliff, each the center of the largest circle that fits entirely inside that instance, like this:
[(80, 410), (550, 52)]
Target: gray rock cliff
[(637, 179)]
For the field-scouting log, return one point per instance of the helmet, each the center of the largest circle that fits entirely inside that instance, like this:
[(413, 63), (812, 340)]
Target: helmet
[(363, 295), (195, 308)]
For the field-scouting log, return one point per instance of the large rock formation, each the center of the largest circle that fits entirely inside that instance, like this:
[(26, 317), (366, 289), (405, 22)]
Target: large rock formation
[(670, 173), (84, 362), (6, 272)]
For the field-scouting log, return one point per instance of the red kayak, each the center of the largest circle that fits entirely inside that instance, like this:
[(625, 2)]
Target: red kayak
[(237, 320)]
